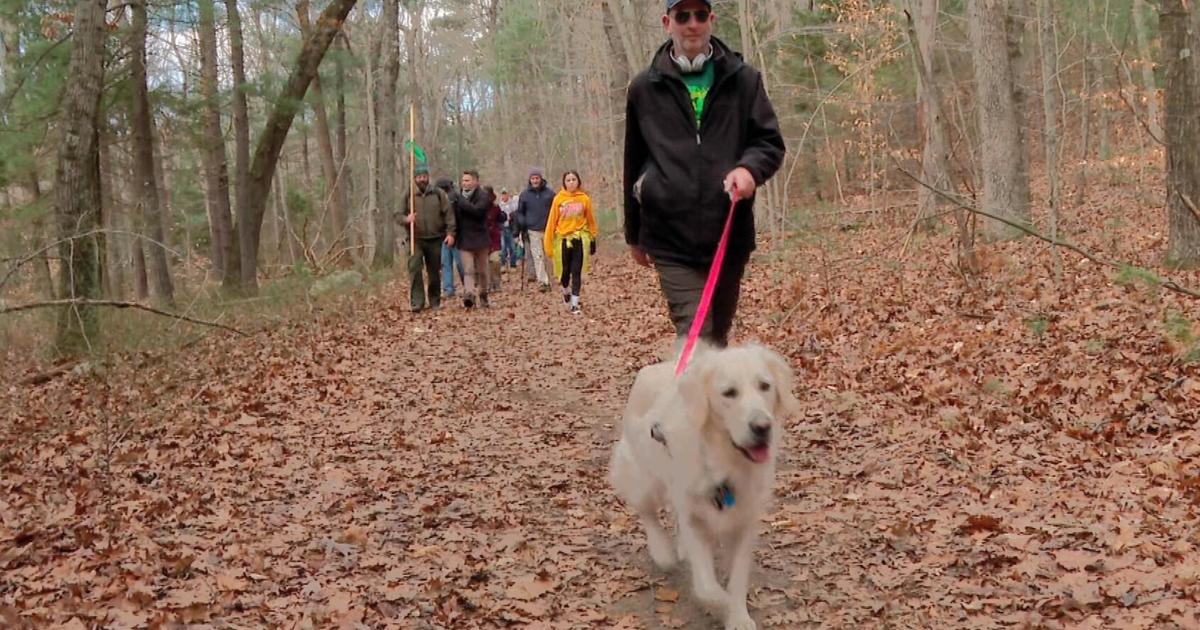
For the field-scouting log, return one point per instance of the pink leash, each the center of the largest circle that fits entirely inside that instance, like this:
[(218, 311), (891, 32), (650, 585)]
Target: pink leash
[(710, 287)]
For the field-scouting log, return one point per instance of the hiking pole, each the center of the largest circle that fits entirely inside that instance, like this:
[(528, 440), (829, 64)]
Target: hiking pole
[(412, 169)]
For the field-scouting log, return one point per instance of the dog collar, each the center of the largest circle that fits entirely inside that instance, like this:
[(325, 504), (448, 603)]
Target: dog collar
[(723, 496)]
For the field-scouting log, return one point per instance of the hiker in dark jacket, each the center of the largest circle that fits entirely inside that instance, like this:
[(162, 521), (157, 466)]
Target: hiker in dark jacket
[(451, 257), (533, 208), (471, 207), (699, 133), (429, 209)]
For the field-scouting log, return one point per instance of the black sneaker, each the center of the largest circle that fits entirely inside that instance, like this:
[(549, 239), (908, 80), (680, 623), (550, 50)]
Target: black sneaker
[(469, 301), (483, 302)]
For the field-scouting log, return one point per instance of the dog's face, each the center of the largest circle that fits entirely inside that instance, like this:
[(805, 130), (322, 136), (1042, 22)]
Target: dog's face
[(745, 393)]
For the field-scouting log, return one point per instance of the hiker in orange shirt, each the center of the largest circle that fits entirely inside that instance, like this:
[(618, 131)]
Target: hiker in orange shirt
[(570, 239)]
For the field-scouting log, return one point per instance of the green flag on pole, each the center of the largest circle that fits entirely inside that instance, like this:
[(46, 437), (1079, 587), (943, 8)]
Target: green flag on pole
[(417, 151)]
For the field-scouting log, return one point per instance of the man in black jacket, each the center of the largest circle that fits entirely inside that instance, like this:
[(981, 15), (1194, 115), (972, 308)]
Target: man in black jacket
[(699, 133), (470, 209)]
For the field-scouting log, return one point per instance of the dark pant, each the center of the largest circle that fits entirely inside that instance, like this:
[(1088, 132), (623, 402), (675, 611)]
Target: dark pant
[(683, 285), (427, 259), (572, 265)]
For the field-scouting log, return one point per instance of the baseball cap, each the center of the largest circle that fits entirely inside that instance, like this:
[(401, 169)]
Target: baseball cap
[(671, 3)]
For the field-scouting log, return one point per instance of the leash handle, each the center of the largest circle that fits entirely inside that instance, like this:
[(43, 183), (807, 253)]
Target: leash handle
[(710, 287)]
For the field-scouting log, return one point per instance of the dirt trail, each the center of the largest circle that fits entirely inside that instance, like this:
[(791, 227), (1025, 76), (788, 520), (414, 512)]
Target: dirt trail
[(447, 470)]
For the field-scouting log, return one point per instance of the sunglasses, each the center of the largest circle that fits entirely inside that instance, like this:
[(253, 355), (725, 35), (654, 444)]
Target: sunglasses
[(682, 17)]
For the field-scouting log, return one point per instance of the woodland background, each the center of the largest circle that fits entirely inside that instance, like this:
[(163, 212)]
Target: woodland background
[(1028, 108), (997, 427)]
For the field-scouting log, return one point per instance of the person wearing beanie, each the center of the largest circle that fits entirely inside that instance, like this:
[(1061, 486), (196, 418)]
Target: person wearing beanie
[(683, 167), (451, 257), (428, 211), (533, 209)]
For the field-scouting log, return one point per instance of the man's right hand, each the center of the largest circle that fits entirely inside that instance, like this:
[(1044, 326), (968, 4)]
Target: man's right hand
[(410, 218), (449, 240), (640, 257)]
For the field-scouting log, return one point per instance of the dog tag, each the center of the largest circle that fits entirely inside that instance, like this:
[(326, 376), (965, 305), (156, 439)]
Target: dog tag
[(723, 496)]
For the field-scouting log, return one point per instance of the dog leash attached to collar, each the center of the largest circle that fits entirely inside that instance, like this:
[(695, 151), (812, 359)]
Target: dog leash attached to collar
[(710, 287)]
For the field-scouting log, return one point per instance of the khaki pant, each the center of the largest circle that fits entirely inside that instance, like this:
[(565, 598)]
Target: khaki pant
[(538, 260), (494, 268), (683, 286), (475, 273)]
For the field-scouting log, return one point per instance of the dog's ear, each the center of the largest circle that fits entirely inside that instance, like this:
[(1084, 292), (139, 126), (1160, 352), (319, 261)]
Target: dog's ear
[(693, 390), (785, 401)]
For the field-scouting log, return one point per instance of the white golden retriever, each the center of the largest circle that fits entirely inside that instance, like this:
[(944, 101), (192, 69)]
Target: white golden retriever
[(705, 445)]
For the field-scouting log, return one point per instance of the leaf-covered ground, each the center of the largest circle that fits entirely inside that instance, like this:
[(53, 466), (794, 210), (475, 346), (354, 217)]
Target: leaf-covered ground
[(1021, 454)]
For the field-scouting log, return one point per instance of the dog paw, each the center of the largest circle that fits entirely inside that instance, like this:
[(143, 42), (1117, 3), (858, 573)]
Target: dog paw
[(740, 621), (713, 598)]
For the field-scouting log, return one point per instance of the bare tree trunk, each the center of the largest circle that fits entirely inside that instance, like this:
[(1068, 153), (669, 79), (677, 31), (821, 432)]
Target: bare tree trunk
[(372, 75), (225, 261), (1005, 176), (145, 182), (77, 179), (1144, 61), (114, 242), (266, 155), (935, 150), (967, 260), (344, 185), (241, 127), (335, 197), (385, 229), (1103, 115), (1179, 26), (1085, 110), (1048, 43)]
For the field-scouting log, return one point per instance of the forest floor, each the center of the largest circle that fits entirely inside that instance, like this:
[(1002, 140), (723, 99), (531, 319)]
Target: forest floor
[(1021, 453)]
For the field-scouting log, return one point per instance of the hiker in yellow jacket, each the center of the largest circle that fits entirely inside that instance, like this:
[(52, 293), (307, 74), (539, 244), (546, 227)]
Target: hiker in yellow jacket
[(570, 239)]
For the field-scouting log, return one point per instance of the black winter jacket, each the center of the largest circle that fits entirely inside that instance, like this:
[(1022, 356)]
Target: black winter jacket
[(675, 203), (471, 214), (533, 208)]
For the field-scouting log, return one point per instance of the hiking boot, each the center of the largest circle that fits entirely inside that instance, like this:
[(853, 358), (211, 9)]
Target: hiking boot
[(483, 302), (469, 301), (545, 287)]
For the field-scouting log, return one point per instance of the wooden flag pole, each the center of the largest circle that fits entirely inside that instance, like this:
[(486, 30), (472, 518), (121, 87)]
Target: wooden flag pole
[(412, 176)]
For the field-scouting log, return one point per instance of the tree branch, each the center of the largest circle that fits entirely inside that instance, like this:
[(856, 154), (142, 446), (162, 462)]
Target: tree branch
[(116, 304), (1166, 282)]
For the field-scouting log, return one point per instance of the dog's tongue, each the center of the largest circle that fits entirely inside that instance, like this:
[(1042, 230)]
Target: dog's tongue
[(759, 454)]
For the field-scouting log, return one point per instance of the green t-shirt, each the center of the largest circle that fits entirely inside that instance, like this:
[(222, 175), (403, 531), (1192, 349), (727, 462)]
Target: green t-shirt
[(698, 84)]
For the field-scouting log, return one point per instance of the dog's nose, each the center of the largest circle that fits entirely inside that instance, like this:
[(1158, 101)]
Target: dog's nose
[(761, 429)]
